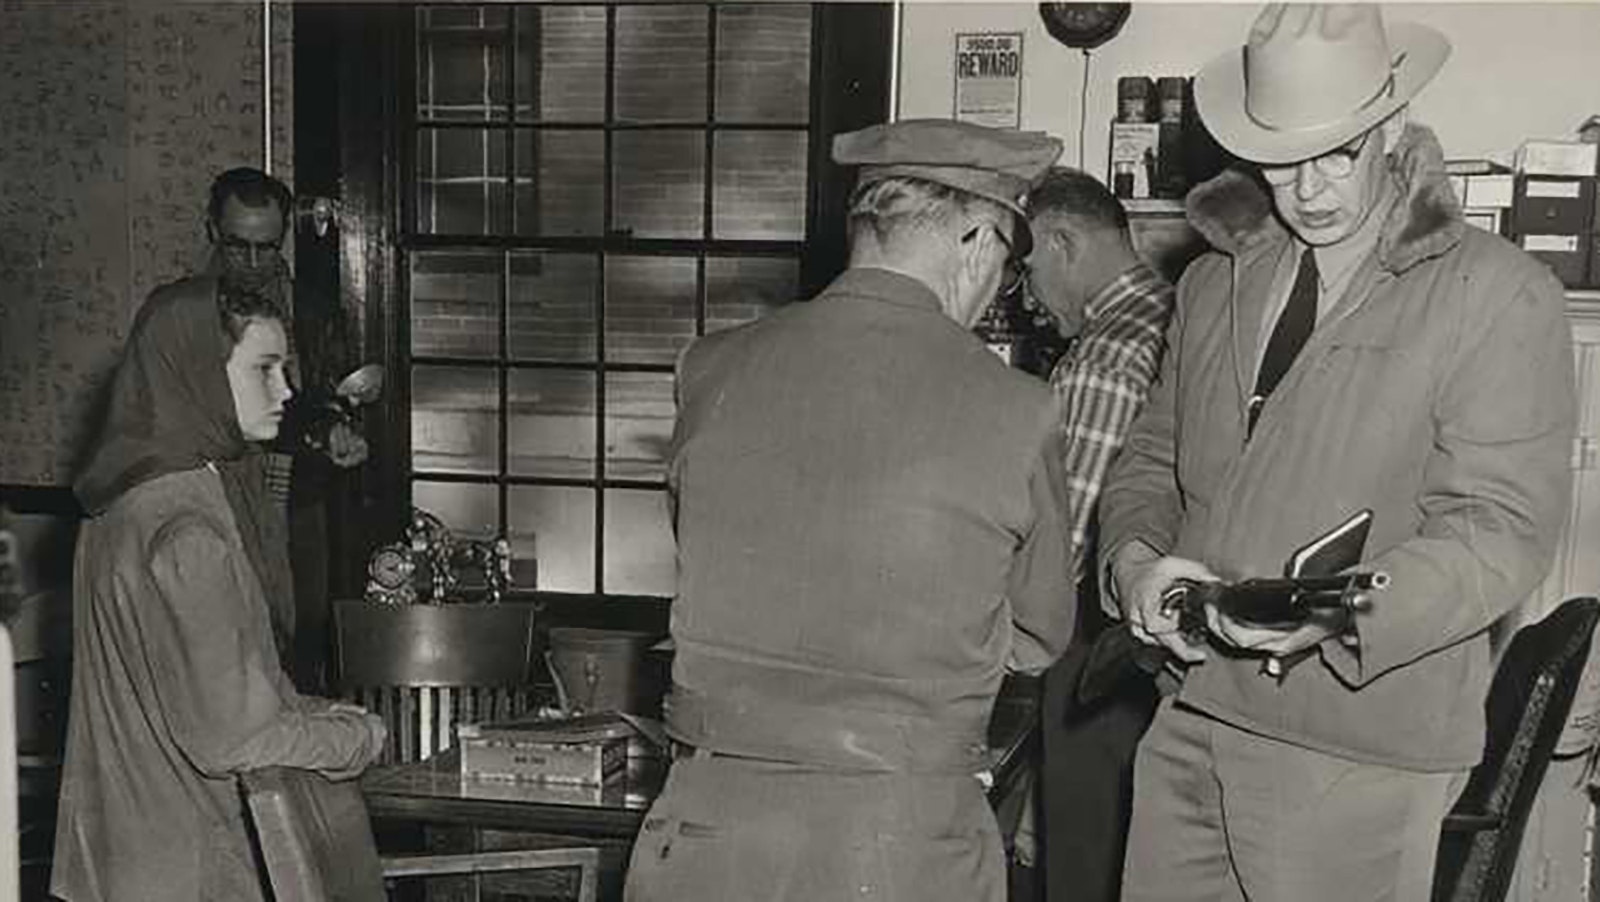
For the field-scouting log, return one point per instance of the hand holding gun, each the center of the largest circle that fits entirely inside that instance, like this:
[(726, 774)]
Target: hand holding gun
[(1280, 603)]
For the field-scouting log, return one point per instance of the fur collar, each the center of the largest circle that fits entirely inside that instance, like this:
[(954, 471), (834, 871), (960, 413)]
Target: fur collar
[(1234, 210)]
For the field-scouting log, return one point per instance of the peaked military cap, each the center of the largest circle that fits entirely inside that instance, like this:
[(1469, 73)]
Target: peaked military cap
[(1000, 164)]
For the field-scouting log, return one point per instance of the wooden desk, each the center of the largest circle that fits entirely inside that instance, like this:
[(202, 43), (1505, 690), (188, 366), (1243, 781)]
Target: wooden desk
[(433, 791)]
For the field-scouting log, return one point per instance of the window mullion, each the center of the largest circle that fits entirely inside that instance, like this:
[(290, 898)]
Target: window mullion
[(708, 174), (602, 290), (503, 351)]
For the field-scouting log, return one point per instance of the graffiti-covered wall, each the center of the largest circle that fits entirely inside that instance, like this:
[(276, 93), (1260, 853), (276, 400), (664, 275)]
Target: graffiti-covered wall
[(114, 115)]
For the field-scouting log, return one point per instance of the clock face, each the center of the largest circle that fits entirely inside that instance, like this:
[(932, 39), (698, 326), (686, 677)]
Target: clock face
[(1084, 25), (391, 567)]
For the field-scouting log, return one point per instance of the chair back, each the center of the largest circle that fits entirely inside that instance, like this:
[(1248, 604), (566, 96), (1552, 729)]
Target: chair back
[(1527, 709), (425, 668), (315, 843), (314, 836), (10, 856)]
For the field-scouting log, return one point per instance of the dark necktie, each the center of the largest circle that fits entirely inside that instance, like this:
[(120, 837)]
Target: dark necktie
[(1289, 335)]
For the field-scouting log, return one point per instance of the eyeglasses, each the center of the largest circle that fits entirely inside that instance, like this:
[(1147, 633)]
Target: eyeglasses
[(1016, 268), (237, 245), (1337, 164)]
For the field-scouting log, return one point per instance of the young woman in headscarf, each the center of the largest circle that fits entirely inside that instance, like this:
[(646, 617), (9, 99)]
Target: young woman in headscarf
[(181, 584)]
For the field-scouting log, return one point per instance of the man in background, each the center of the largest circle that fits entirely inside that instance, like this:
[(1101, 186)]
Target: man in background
[(1114, 310), (869, 536), (248, 218), (1350, 345)]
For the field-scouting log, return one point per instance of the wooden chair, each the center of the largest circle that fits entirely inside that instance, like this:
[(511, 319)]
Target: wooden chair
[(1528, 704), (425, 668), (316, 844)]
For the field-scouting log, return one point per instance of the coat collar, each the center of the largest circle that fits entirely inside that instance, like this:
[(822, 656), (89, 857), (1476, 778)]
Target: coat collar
[(886, 285), (1234, 210)]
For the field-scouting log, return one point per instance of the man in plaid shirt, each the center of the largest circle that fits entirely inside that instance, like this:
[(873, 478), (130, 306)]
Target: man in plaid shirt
[(1114, 309)]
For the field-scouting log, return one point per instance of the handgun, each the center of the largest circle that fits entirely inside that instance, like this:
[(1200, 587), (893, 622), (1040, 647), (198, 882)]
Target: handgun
[(1273, 602), (1268, 602)]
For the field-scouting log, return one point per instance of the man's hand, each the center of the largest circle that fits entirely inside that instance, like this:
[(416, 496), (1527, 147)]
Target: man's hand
[(1273, 642), (1142, 574), (346, 447)]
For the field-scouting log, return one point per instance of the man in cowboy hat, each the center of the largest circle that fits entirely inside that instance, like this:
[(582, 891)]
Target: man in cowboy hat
[(869, 533), (1350, 345)]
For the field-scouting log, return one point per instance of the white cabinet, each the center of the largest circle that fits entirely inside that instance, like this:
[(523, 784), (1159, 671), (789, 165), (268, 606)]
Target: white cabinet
[(1558, 847), (1577, 566)]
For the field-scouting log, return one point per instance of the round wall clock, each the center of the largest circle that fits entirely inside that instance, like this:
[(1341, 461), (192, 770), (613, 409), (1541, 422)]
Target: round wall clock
[(1084, 25)]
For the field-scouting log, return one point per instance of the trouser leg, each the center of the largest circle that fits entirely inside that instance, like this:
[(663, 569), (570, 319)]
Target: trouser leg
[(1313, 827), (1177, 841), (1086, 784)]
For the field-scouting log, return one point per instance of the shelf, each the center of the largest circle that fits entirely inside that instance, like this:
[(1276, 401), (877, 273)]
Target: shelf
[(1583, 303), (1153, 206)]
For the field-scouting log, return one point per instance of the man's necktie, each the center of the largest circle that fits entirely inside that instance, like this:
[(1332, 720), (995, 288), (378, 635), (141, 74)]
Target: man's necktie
[(1289, 335)]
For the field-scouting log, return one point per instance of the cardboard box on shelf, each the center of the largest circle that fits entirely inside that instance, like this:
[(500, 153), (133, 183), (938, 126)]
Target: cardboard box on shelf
[(1495, 190), (1490, 219), (1549, 205), (1567, 255), (1570, 158)]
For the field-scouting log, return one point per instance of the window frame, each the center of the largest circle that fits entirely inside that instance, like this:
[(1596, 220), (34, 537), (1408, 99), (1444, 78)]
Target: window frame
[(602, 248), (357, 143)]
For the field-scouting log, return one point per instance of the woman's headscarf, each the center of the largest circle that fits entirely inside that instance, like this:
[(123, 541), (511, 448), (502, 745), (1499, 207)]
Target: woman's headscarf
[(171, 410)]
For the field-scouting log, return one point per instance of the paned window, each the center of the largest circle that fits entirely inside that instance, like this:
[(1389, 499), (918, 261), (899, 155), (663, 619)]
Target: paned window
[(589, 187)]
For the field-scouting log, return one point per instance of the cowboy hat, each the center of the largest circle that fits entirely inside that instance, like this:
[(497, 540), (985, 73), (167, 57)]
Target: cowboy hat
[(1313, 76)]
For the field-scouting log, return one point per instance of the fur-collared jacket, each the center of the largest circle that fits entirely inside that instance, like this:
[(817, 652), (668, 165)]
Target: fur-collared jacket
[(1437, 392)]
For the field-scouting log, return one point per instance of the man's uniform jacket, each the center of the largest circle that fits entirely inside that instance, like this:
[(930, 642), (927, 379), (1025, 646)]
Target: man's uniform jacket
[(869, 533)]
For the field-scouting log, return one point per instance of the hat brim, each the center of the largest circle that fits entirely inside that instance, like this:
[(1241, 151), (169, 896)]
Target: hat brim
[(1219, 91)]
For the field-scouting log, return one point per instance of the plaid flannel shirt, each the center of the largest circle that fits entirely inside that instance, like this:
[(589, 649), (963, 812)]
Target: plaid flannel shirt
[(1101, 383)]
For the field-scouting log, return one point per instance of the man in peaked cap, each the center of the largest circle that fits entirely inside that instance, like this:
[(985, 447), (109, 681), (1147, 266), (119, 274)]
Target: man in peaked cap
[(1351, 345), (869, 536)]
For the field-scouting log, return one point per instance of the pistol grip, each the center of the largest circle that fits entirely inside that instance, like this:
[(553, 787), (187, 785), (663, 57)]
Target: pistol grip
[(1187, 599)]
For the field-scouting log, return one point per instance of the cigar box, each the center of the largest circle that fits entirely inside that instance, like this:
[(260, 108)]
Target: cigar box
[(565, 752), (544, 792)]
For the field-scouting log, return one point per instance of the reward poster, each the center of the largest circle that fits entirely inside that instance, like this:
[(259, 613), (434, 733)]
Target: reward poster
[(989, 78)]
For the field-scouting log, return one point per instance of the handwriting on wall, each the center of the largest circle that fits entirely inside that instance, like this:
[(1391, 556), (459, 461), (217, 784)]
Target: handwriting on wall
[(113, 118), (63, 249)]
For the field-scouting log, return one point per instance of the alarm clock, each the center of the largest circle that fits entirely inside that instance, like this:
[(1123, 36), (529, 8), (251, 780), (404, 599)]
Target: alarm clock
[(390, 573)]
